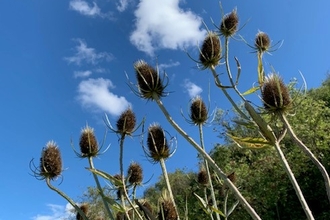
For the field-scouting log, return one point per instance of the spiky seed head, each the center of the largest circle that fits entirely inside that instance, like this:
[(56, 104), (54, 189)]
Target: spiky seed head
[(262, 42), (126, 122), (50, 161), (232, 177), (157, 143), (135, 173), (198, 111), (210, 53), (167, 211), (147, 205), (84, 208), (275, 94), (149, 82), (229, 24), (202, 178), (88, 143)]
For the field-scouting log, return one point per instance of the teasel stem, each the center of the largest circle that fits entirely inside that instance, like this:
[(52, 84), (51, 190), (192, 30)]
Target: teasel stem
[(214, 201), (98, 185), (206, 199), (294, 182), (124, 193), (225, 204), (168, 185), (66, 198), (211, 162), (308, 152)]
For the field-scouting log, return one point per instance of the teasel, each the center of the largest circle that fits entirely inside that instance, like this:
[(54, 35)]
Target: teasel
[(262, 42), (84, 208), (198, 111), (150, 84), (202, 178), (126, 122), (88, 143), (167, 211), (158, 147), (135, 174), (229, 24), (50, 162), (210, 53), (275, 94)]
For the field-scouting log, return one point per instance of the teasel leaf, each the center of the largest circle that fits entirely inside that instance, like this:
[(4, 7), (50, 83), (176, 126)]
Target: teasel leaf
[(232, 208), (250, 142), (252, 90), (202, 203), (107, 176)]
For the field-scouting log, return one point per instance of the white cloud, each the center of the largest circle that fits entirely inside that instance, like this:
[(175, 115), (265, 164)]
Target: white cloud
[(87, 54), (82, 74), (58, 212), (168, 65), (95, 94), (192, 89), (122, 5), (84, 8), (163, 24)]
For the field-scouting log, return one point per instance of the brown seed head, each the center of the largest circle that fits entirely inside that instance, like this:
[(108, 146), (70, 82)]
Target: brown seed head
[(88, 143), (275, 94), (210, 53), (126, 122), (167, 211), (232, 177), (198, 111), (157, 143), (50, 161), (262, 42), (149, 82), (229, 24), (202, 178), (84, 208), (135, 173)]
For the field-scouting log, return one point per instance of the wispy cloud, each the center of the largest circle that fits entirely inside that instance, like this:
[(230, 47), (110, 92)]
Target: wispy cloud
[(83, 53), (85, 9), (168, 65), (82, 74), (96, 95), (192, 89), (57, 212), (163, 24), (122, 5)]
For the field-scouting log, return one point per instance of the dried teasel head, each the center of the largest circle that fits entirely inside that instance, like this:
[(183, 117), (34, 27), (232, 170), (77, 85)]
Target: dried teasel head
[(198, 111), (232, 177), (88, 143), (210, 53), (135, 174), (262, 42), (50, 161), (84, 208), (126, 122), (229, 24), (202, 177), (157, 143), (167, 211), (149, 82), (275, 94)]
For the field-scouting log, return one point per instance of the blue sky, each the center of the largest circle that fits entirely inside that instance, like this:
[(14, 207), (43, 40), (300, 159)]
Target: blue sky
[(64, 63)]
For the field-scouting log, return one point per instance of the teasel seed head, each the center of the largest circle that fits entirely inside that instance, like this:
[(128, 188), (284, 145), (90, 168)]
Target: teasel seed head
[(84, 208), (126, 122), (135, 174), (88, 143), (275, 94), (229, 24), (50, 161), (202, 178), (198, 111), (232, 177), (157, 143), (210, 53), (149, 82), (262, 42), (167, 211)]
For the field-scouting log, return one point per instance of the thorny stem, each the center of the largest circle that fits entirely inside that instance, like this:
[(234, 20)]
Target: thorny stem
[(225, 204), (106, 206), (206, 199), (214, 201), (294, 182), (66, 198), (211, 162), (306, 150), (167, 181)]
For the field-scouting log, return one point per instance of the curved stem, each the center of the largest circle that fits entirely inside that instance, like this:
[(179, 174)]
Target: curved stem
[(66, 198), (311, 156), (211, 162), (294, 182), (214, 201)]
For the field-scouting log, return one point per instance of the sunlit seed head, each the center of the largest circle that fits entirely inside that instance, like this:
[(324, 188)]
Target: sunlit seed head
[(149, 82), (157, 143), (126, 122), (262, 42), (167, 211), (50, 161), (210, 53), (202, 177), (88, 143), (135, 174), (229, 24), (198, 111), (84, 208)]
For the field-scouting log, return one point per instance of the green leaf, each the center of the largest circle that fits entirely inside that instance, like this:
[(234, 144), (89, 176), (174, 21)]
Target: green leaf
[(232, 208), (252, 90), (218, 211), (107, 176), (203, 204), (251, 142)]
